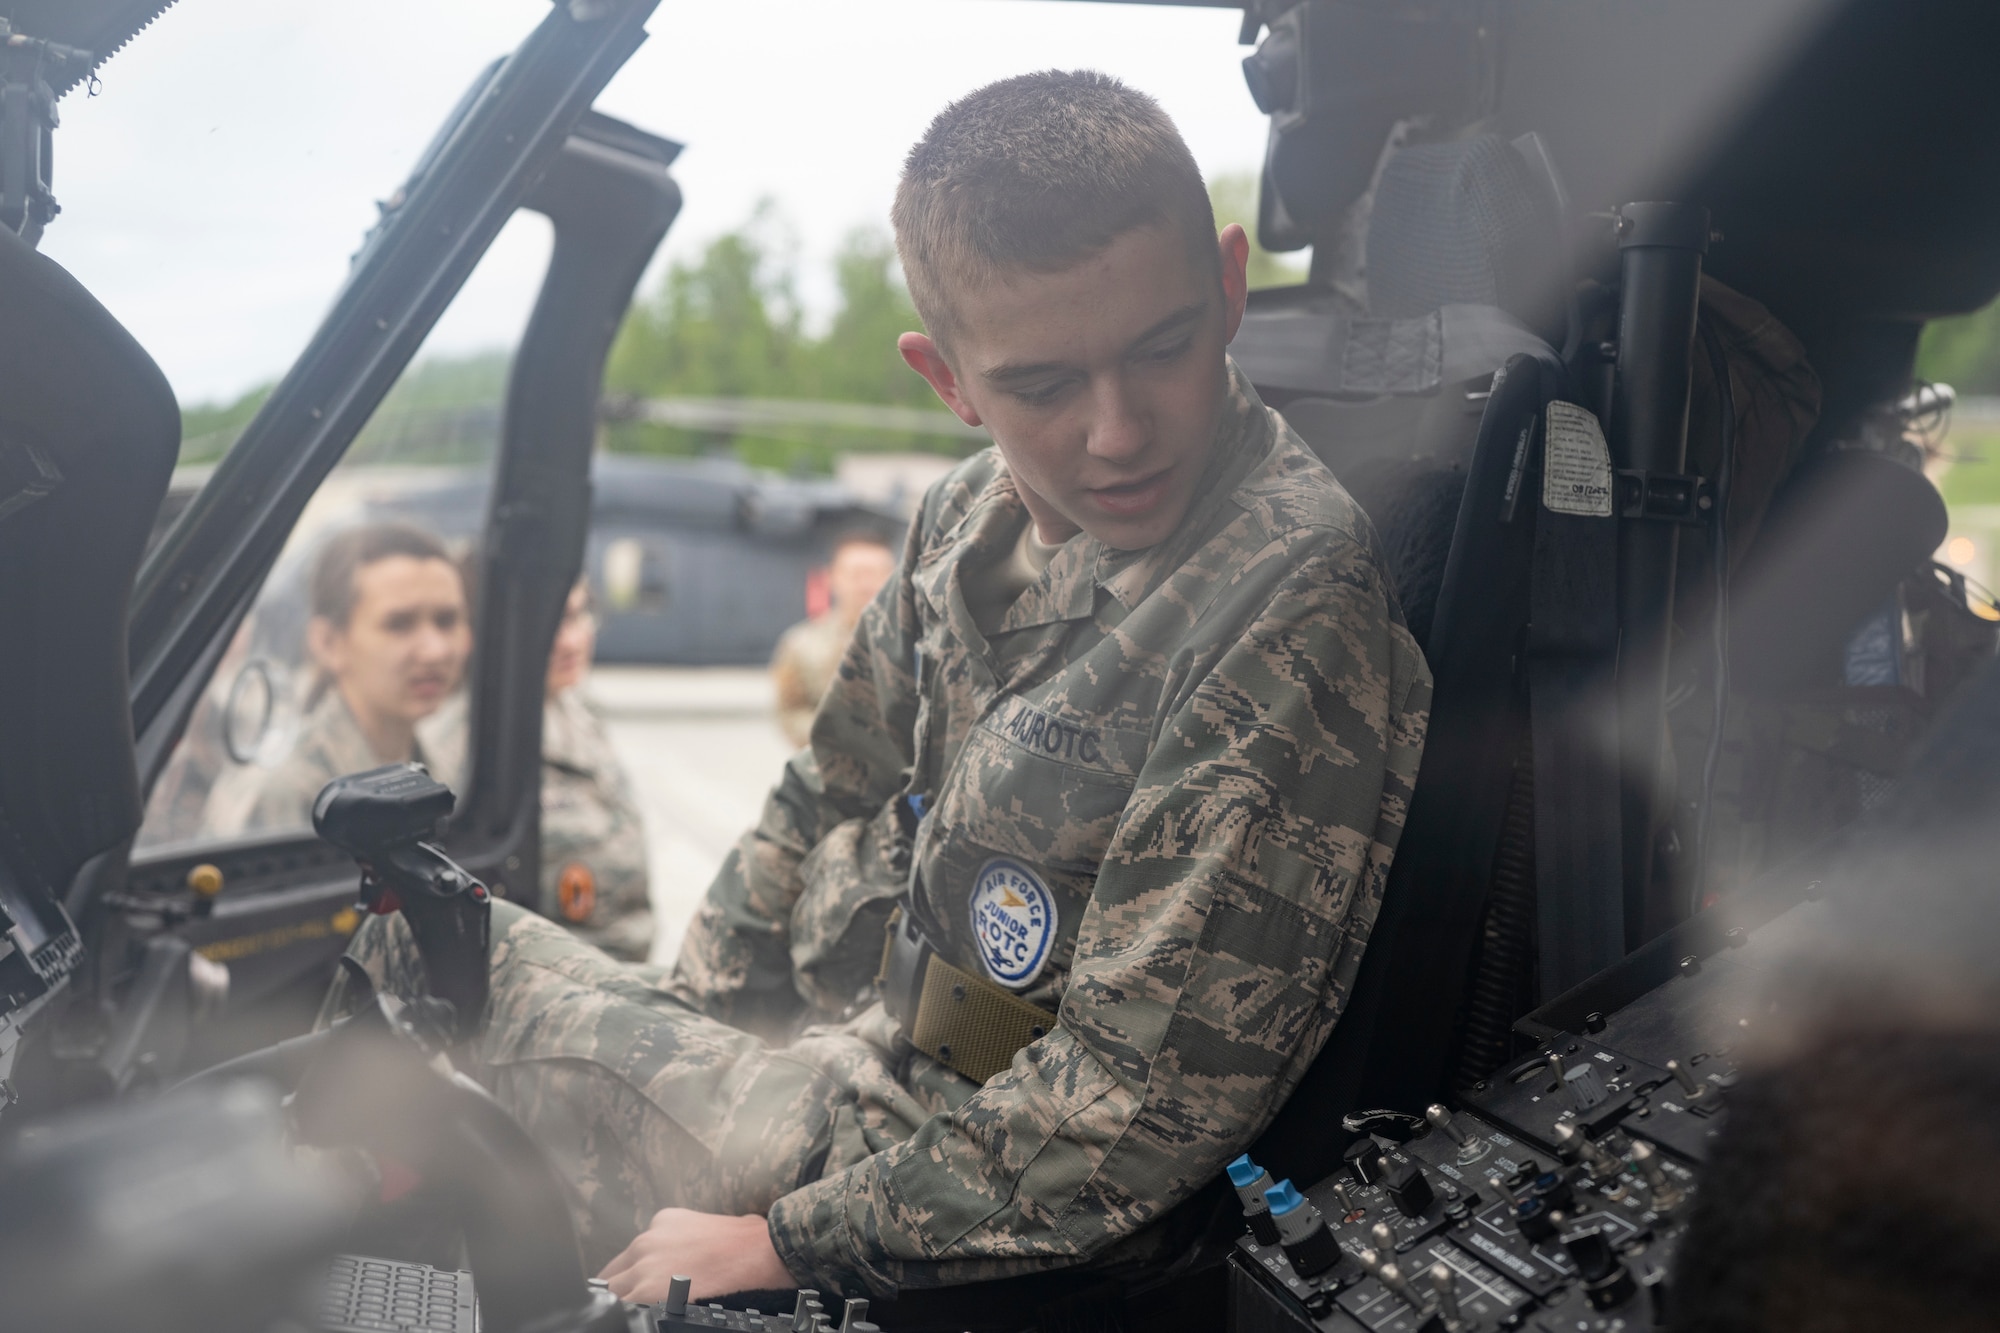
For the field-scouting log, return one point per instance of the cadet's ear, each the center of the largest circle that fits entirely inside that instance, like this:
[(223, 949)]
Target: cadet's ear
[(1234, 245), (325, 642), (924, 357)]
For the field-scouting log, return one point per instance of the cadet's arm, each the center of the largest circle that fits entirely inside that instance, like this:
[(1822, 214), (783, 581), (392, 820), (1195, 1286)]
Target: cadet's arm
[(735, 963), (1221, 941)]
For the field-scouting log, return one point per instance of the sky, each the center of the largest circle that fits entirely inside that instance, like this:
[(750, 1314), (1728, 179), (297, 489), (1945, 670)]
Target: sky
[(214, 189)]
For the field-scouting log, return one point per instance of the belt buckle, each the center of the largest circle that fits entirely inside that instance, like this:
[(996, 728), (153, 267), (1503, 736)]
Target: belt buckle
[(906, 956)]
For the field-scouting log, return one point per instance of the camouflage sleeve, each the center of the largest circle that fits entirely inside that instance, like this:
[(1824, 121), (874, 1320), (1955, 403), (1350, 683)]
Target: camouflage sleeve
[(795, 703), (735, 963), (1219, 946)]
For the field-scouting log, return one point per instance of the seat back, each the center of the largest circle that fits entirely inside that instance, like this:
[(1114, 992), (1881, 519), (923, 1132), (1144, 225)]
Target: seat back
[(89, 431), (1392, 1045), (1469, 234)]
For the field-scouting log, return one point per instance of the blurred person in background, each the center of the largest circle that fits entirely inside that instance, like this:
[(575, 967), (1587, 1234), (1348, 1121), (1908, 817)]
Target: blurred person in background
[(389, 637), (1851, 1187), (593, 838), (810, 651)]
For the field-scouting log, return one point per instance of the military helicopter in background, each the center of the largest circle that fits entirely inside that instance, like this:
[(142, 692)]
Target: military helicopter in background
[(1610, 324)]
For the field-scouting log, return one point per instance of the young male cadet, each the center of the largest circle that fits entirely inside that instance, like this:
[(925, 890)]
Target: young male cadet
[(1131, 735)]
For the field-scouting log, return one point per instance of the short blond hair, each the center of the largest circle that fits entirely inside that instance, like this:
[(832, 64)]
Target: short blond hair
[(1039, 172)]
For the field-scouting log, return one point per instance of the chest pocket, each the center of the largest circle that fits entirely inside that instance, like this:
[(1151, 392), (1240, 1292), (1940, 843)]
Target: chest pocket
[(1032, 801)]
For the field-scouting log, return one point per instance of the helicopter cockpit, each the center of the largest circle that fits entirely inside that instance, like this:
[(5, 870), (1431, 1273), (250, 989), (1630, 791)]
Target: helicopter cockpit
[(1610, 326)]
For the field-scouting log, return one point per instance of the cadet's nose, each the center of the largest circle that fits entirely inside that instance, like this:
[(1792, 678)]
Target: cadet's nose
[(434, 644), (1119, 431)]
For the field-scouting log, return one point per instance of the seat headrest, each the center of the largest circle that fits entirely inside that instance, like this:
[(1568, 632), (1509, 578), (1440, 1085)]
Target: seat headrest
[(1475, 222), (89, 431)]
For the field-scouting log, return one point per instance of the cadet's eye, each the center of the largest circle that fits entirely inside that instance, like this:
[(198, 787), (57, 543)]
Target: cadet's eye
[(447, 621), (1172, 351), (1041, 395), (401, 623)]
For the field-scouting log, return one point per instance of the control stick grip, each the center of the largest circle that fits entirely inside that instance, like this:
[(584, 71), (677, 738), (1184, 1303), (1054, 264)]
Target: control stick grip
[(382, 818)]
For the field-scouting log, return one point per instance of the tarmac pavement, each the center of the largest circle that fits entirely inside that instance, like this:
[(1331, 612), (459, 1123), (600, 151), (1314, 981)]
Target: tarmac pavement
[(702, 747)]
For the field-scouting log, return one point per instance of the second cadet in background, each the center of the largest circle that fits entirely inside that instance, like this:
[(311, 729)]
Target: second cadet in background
[(389, 640), (593, 838), (810, 651)]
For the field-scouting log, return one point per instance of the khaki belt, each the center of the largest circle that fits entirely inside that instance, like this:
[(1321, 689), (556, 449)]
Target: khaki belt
[(956, 1018)]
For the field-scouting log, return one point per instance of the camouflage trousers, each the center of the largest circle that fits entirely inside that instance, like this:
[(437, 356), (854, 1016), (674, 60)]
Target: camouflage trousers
[(644, 1103)]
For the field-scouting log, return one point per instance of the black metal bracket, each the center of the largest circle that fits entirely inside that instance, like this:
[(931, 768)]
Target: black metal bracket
[(27, 126), (1664, 497)]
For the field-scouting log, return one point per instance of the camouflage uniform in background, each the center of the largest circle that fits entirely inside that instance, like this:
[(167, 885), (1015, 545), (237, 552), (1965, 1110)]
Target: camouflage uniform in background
[(594, 877), (330, 745), (1187, 765), (593, 837), (803, 666)]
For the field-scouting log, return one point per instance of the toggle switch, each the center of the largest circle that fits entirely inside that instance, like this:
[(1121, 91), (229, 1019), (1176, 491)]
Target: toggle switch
[(1390, 1276), (1444, 1287), (1692, 1088), (1667, 1193), (1571, 1140), (1441, 1119)]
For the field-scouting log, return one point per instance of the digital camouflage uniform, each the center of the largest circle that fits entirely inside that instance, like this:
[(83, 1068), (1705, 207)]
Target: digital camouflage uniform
[(802, 667), (330, 745), (594, 877), (1196, 758), (592, 834)]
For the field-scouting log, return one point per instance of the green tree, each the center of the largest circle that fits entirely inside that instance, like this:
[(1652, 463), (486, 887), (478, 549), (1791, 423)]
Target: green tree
[(208, 429), (857, 360), (440, 410), (1963, 352), (1233, 196), (727, 324)]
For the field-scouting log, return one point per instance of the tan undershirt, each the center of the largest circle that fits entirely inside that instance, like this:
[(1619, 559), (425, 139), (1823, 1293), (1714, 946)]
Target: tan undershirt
[(990, 589)]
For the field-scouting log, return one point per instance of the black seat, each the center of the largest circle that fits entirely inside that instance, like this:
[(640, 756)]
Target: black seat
[(1473, 228), (89, 430)]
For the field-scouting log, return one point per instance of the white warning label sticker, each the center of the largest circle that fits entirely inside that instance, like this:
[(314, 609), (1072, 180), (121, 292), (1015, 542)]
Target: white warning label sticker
[(1576, 467)]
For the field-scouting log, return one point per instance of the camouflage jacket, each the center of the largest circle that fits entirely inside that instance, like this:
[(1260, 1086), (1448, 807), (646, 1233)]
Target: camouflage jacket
[(330, 745), (1190, 762), (594, 877), (802, 667), (592, 833)]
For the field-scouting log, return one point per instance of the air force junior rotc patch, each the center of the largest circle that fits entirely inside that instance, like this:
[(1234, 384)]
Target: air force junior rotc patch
[(1013, 921)]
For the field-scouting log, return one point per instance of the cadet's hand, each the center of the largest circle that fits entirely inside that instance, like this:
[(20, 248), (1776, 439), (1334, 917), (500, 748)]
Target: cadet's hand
[(722, 1255)]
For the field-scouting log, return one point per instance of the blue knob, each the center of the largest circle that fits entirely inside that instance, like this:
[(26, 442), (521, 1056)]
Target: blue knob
[(1284, 1197), (1243, 1171)]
